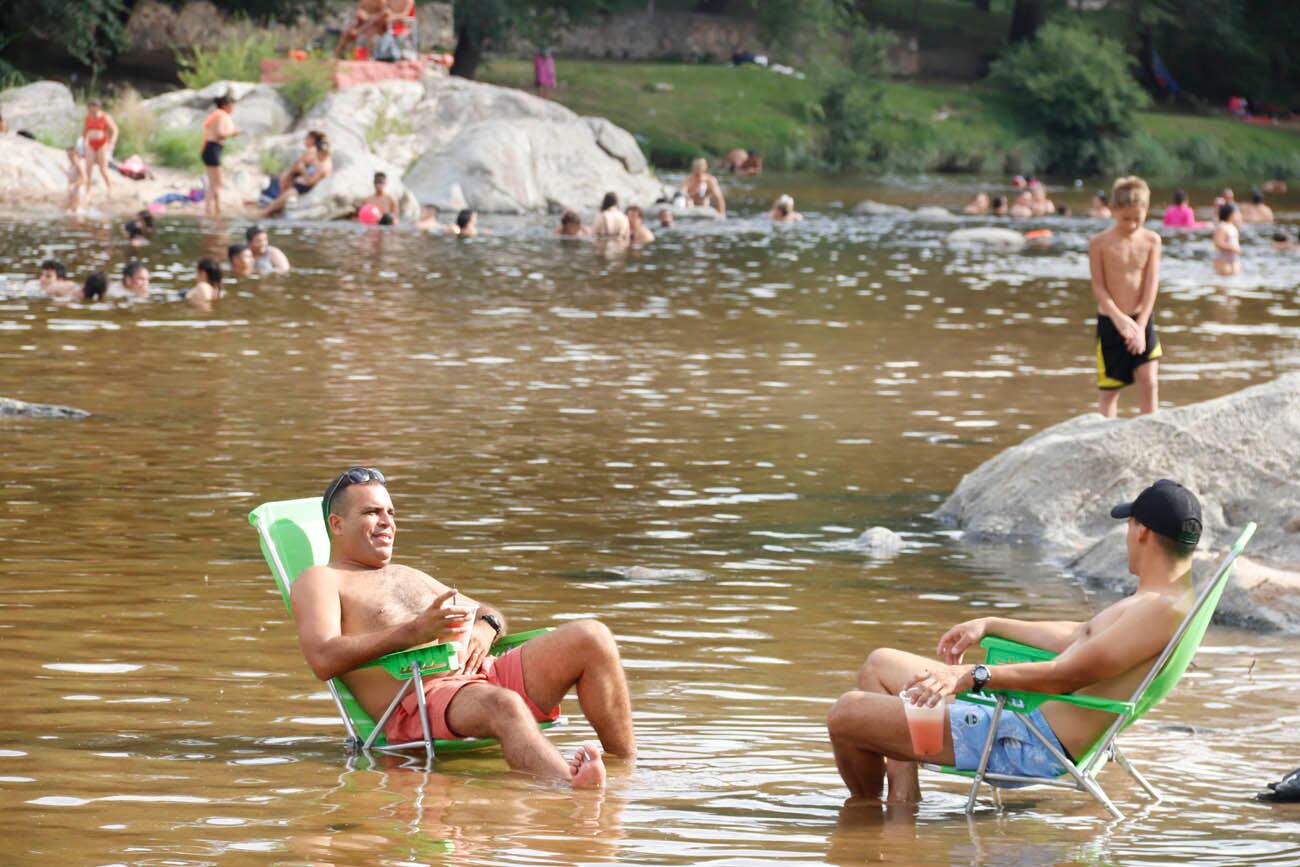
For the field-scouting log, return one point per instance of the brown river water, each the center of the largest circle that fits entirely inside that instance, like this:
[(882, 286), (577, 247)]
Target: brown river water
[(682, 441)]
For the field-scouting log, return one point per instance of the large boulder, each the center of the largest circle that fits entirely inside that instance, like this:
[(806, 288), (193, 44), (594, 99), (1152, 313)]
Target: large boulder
[(340, 194), (263, 111), (1239, 453), (41, 108), (30, 170), (513, 166), (355, 117)]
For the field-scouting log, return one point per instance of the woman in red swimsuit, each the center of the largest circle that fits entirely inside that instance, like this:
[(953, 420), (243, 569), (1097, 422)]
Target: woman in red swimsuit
[(100, 133)]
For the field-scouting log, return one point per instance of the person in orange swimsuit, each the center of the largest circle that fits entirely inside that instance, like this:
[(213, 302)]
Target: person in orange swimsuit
[(217, 127), (100, 133)]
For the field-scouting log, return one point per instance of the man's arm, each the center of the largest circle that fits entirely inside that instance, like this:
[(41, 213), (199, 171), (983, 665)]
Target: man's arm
[(1053, 635), (482, 636), (279, 261), (319, 616)]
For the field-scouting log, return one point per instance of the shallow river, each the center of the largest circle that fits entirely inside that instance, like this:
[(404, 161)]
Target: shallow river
[(682, 441)]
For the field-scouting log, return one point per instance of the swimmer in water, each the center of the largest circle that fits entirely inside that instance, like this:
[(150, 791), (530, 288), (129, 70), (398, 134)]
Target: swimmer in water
[(571, 225), (666, 218), (638, 232), (1024, 205), (428, 221), (978, 205), (267, 259), (467, 223), (383, 201), (783, 210), (135, 235), (135, 279), (207, 285), (1227, 241), (998, 207), (241, 260), (54, 280), (1283, 242), (1100, 207), (1255, 211), (95, 287), (702, 188), (610, 222)]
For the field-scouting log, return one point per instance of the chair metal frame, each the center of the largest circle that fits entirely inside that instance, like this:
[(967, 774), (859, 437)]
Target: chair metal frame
[(1083, 775)]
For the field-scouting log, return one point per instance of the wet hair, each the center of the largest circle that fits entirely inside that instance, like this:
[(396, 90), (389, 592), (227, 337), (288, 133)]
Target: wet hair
[(1180, 197), (1226, 210), (145, 219), (1282, 236), (234, 250), (56, 266), (95, 286), (1101, 196), (1063, 210), (636, 209), (320, 141), (253, 231), (1257, 195), (463, 218), (699, 164), (380, 176), (223, 100), (1131, 192), (998, 202), (570, 218), (135, 266), (610, 201), (211, 271), (133, 229)]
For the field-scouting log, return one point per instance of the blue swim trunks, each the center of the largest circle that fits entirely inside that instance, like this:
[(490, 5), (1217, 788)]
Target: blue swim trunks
[(1015, 749)]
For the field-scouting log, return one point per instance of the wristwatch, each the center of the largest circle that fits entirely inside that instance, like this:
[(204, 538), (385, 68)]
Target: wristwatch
[(979, 676), (493, 621)]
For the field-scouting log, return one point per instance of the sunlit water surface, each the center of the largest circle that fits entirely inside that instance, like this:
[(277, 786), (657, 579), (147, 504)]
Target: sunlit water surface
[(682, 441)]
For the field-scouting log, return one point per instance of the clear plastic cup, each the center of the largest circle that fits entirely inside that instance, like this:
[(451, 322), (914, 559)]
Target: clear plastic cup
[(460, 640), (924, 724)]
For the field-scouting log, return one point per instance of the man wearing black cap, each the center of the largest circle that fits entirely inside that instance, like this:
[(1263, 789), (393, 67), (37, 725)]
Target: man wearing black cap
[(1107, 656)]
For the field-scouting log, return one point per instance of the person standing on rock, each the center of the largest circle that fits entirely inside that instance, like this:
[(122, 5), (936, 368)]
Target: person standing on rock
[(218, 127), (1106, 657), (100, 133), (1125, 265)]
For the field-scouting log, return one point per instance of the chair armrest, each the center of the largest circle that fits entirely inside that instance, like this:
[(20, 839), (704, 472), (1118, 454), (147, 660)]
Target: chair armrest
[(1003, 650), (510, 642), (434, 659)]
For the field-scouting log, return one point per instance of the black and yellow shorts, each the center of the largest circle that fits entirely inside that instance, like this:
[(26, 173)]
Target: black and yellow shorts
[(1115, 364)]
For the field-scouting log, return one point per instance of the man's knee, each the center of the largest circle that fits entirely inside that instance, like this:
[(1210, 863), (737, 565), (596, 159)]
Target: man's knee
[(503, 709), (845, 716), (592, 637), (877, 662)]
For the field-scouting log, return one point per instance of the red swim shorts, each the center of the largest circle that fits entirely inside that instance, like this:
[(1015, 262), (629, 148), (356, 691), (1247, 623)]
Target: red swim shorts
[(505, 671)]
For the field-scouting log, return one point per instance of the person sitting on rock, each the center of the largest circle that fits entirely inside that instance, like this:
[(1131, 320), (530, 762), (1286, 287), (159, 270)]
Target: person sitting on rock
[(571, 225), (314, 166), (783, 210), (372, 20), (54, 280), (268, 259), (466, 223), (638, 232), (383, 201), (1107, 656), (702, 188), (610, 222), (241, 260)]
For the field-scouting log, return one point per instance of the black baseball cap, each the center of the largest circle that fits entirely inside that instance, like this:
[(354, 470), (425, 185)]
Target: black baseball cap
[(1167, 508)]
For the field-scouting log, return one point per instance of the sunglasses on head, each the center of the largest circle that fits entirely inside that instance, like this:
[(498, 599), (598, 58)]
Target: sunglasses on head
[(354, 476)]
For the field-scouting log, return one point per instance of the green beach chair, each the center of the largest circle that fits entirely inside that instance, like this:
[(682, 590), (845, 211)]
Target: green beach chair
[(1164, 674), (293, 536)]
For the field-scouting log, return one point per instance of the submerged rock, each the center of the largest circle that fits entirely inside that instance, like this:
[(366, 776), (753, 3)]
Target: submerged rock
[(17, 408), (987, 236), (879, 542), (1239, 453), (869, 207)]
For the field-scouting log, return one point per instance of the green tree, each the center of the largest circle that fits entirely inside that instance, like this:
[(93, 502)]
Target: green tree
[(481, 25), (91, 31), (1075, 90)]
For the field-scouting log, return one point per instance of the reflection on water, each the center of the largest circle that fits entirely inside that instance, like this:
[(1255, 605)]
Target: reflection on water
[(683, 441)]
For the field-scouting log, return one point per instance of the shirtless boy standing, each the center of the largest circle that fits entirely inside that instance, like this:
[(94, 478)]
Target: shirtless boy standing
[(381, 199), (1125, 265)]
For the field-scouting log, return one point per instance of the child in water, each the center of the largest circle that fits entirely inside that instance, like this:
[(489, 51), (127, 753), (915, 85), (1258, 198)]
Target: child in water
[(1227, 241), (207, 287), (1125, 264)]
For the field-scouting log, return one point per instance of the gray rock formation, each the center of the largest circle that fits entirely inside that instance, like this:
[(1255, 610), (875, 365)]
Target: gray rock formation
[(1239, 453), (263, 111), (340, 194), (879, 542), (41, 108), (30, 169), (11, 408)]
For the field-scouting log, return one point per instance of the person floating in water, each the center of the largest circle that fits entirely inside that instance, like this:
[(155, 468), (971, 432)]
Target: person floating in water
[(701, 188), (571, 225), (466, 223), (1125, 264), (218, 127), (638, 232), (54, 280), (267, 259), (1227, 241), (135, 279), (1108, 656), (783, 210), (361, 606), (207, 285), (100, 135)]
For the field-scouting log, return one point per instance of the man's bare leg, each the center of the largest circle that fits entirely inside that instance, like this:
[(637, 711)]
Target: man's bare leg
[(584, 653), (483, 710), (868, 726), (1108, 402), (1148, 387)]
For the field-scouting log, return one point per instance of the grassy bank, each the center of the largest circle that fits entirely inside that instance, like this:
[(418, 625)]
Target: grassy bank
[(679, 111)]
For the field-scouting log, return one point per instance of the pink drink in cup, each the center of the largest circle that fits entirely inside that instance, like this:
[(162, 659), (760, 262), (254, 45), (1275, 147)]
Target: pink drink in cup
[(925, 725)]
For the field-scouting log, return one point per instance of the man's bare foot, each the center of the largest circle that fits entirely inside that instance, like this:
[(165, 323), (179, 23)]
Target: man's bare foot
[(587, 768)]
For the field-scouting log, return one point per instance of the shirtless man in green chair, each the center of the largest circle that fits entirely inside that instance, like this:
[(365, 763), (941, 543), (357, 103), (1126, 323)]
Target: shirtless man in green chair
[(1107, 656), (361, 606)]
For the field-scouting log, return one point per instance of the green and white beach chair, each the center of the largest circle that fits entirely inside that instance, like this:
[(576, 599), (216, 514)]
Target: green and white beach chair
[(293, 536), (1164, 674)]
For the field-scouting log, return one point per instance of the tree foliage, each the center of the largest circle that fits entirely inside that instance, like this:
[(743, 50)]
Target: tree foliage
[(91, 31), (486, 24), (1076, 90)]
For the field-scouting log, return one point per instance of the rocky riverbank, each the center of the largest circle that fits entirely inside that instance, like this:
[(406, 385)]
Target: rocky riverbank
[(442, 141), (1239, 453)]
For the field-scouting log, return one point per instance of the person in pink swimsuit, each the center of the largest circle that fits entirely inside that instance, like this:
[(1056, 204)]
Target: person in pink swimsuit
[(1180, 215)]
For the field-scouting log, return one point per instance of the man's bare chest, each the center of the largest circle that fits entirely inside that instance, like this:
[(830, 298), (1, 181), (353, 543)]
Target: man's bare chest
[(385, 597)]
